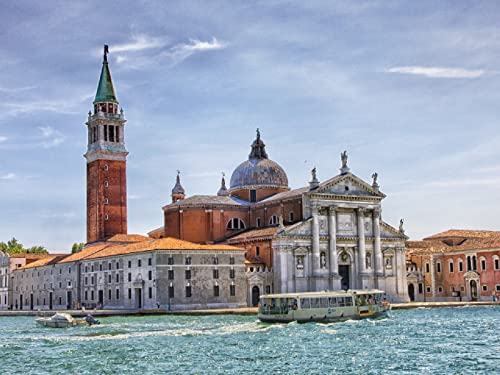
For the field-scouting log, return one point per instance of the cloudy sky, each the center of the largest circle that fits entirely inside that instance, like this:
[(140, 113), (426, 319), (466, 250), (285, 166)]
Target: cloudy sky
[(410, 89)]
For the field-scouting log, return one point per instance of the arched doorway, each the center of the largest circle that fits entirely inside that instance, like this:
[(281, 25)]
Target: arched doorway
[(473, 290), (255, 295), (411, 292)]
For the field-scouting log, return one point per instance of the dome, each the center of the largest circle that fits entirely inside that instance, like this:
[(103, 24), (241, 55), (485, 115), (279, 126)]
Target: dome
[(258, 171)]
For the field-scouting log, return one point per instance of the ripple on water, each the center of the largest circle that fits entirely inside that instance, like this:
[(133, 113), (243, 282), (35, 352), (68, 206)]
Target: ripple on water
[(408, 341)]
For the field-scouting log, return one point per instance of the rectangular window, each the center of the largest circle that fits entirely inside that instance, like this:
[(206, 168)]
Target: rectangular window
[(188, 274), (231, 260), (129, 293), (117, 277), (117, 294), (438, 266), (171, 291), (170, 274), (428, 289), (460, 267), (216, 274), (109, 279), (129, 264), (188, 291), (109, 266), (188, 260), (451, 267), (170, 261), (150, 292), (485, 288), (129, 277), (257, 224), (231, 274), (498, 287), (150, 275), (462, 288), (257, 251), (86, 295), (109, 294), (91, 295), (150, 261), (483, 264), (497, 265), (139, 263), (86, 281), (216, 291), (253, 195), (216, 260), (268, 289), (427, 268), (232, 290)]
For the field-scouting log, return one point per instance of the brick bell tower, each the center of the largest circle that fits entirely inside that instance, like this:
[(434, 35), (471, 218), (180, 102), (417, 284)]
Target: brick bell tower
[(106, 163)]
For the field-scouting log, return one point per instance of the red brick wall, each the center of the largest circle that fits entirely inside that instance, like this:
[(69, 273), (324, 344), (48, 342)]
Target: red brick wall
[(116, 193), (261, 193)]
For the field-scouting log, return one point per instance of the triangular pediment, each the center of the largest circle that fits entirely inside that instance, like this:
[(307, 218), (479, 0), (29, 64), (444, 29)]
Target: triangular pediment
[(349, 185), (388, 231), (302, 229)]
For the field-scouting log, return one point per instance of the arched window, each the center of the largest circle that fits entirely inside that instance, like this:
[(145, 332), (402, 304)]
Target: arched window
[(460, 265), (273, 220), (438, 266), (496, 262), (482, 260), (257, 222), (427, 268), (450, 265), (236, 223)]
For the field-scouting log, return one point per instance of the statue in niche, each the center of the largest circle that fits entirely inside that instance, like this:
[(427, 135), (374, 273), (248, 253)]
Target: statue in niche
[(368, 260), (322, 260), (343, 157), (388, 262), (344, 257), (300, 262)]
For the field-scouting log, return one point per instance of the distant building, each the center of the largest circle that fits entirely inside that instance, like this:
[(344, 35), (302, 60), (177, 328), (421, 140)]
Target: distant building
[(134, 272), (454, 265)]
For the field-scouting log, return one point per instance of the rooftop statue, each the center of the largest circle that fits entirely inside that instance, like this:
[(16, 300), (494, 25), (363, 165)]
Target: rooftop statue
[(343, 157), (401, 229)]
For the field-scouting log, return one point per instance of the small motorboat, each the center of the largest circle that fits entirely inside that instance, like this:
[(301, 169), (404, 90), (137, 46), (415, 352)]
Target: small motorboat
[(64, 320)]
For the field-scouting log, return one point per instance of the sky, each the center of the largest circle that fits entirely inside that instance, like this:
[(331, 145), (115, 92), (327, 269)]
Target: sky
[(411, 89)]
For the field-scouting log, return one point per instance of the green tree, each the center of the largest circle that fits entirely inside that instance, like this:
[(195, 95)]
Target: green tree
[(15, 247), (37, 250), (77, 247)]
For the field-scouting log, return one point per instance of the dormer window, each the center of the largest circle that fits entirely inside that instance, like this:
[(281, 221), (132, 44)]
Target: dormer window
[(253, 195)]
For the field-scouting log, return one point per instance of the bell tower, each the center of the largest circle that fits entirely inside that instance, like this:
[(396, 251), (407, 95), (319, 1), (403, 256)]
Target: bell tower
[(106, 162)]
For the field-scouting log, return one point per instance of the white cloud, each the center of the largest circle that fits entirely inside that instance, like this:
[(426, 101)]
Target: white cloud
[(2, 138), (437, 72), (57, 215), (16, 89), (173, 55), (8, 176), (51, 137), (139, 43)]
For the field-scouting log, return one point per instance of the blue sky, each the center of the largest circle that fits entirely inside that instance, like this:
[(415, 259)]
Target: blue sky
[(410, 89)]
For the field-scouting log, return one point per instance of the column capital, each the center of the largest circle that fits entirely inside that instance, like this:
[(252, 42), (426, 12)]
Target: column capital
[(315, 210), (361, 210), (376, 212), (332, 209)]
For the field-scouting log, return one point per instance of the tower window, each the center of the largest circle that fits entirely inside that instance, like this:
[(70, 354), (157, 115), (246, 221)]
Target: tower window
[(257, 251), (106, 133), (106, 184), (106, 201), (253, 196), (273, 220), (290, 215), (236, 223), (105, 167), (106, 217)]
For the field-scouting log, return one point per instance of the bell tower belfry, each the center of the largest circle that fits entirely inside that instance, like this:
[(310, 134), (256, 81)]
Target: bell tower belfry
[(106, 162)]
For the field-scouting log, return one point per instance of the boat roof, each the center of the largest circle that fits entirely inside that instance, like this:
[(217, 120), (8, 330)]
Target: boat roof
[(325, 293)]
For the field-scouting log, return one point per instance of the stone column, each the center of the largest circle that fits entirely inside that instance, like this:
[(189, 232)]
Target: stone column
[(379, 261), (361, 243), (332, 247), (283, 270), (315, 242)]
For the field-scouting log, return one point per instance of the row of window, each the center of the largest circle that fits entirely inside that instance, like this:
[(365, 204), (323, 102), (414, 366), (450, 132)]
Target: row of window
[(471, 265), (187, 274), (117, 265), (111, 133), (188, 260), (236, 223)]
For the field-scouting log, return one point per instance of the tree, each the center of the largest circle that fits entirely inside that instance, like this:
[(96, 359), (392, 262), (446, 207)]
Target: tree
[(15, 247), (77, 247)]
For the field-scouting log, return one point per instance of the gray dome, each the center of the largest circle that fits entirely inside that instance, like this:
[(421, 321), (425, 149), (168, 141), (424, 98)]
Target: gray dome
[(258, 171)]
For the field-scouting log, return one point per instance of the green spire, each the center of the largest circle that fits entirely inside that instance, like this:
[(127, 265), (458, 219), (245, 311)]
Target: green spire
[(105, 90)]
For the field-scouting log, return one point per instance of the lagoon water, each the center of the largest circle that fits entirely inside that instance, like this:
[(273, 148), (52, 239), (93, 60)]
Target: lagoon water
[(420, 341)]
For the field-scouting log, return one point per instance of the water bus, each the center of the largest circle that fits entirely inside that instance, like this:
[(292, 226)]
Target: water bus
[(327, 306)]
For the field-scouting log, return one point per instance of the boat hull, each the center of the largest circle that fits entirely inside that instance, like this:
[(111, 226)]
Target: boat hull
[(320, 318)]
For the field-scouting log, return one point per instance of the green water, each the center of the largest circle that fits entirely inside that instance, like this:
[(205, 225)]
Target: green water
[(420, 341)]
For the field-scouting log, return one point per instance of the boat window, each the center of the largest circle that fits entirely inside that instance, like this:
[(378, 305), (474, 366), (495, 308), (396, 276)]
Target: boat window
[(341, 301), (305, 303), (324, 302), (348, 301), (314, 303), (333, 301)]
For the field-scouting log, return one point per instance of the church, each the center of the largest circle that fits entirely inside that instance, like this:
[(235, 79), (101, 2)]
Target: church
[(326, 235)]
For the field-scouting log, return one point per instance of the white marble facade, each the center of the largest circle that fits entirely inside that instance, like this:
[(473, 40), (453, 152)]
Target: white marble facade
[(344, 244)]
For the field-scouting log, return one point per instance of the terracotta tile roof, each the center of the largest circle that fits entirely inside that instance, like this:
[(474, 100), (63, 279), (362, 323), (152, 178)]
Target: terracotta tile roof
[(87, 251), (46, 261), (156, 244), (464, 233), (157, 233), (436, 246), (30, 256), (267, 232), (254, 260), (127, 238)]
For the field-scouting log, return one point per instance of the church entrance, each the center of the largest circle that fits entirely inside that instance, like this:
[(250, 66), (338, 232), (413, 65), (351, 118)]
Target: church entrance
[(344, 271), (411, 292), (255, 295), (138, 298), (473, 290)]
